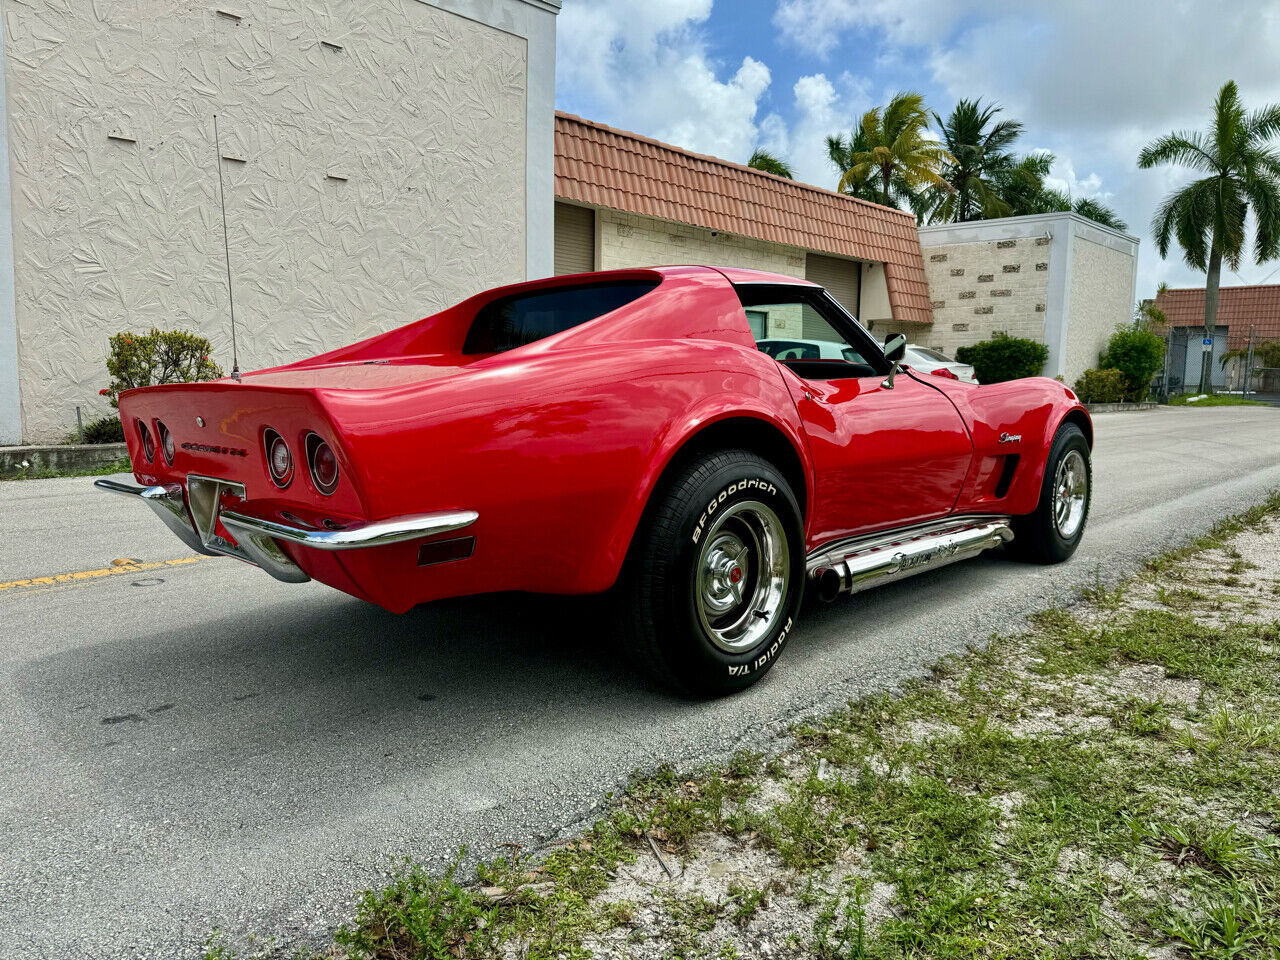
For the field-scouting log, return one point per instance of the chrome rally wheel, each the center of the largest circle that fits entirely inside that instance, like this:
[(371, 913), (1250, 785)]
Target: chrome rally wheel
[(743, 573), (1070, 494), (1052, 533), (714, 578)]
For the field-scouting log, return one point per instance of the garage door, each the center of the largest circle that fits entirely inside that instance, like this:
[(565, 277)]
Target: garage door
[(840, 277), (575, 239)]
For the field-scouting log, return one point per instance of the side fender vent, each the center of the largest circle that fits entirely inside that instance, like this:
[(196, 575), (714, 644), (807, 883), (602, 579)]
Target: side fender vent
[(1006, 475)]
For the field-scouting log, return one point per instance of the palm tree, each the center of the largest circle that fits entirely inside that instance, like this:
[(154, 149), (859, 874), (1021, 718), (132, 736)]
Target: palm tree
[(896, 152), (1023, 188), (840, 150), (1098, 212), (1207, 216), (770, 163), (978, 145)]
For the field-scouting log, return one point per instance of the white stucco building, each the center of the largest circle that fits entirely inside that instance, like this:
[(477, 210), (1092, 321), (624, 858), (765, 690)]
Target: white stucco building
[(381, 161), (1056, 278)]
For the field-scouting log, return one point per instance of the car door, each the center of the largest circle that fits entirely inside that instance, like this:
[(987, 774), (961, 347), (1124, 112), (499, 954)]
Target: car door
[(883, 456)]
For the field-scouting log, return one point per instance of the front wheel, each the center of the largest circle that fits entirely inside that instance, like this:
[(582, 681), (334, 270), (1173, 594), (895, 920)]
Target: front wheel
[(1052, 533), (716, 575)]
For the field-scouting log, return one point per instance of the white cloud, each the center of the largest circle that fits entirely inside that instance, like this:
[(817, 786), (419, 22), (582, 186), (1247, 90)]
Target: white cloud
[(1063, 177), (643, 65), (817, 26), (821, 108), (1091, 80)]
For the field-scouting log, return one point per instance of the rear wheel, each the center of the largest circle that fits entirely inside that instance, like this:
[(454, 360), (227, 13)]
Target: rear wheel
[(716, 575), (1052, 533)]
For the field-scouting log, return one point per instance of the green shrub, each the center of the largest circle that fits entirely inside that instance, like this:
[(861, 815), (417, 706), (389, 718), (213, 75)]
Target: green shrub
[(161, 356), (1137, 354), (104, 430), (1004, 358), (1101, 386)]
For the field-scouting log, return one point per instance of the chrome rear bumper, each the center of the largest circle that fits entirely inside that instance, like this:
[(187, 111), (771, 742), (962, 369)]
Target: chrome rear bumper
[(193, 515)]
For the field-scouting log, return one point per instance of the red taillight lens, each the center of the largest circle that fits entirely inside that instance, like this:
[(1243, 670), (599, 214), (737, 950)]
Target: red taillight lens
[(148, 445), (944, 372), (279, 458), (166, 443), (324, 465)]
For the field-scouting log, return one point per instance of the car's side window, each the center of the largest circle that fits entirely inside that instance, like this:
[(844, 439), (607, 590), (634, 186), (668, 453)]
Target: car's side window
[(794, 326)]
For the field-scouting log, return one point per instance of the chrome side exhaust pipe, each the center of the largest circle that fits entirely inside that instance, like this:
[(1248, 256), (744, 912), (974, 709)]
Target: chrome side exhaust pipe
[(861, 563)]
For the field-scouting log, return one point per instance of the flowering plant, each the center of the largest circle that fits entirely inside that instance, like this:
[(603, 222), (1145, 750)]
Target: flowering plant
[(160, 356)]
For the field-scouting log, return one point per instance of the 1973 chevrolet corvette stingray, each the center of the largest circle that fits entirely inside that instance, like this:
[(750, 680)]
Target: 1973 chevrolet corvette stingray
[(617, 430)]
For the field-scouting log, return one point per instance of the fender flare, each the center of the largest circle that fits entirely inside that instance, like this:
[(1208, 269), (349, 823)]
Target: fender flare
[(683, 434)]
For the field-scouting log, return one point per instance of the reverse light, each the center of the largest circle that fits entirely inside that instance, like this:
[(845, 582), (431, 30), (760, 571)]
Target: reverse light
[(148, 445), (166, 442), (945, 373), (323, 463), (279, 458)]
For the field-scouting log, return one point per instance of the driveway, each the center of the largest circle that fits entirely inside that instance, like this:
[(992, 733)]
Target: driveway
[(195, 746)]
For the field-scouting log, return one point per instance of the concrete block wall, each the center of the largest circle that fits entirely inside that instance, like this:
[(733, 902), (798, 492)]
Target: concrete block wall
[(979, 289)]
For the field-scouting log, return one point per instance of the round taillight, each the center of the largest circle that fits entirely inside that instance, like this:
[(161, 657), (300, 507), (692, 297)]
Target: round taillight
[(148, 445), (945, 373), (166, 442), (324, 465), (279, 458)]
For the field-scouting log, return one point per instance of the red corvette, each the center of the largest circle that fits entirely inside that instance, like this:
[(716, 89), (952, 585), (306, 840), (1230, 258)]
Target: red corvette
[(623, 430)]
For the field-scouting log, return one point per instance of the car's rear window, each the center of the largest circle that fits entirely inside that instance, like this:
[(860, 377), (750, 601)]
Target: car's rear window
[(527, 317), (931, 354)]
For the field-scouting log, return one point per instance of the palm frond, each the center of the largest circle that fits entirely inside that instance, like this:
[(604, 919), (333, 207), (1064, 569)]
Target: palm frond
[(1264, 199), (1099, 212), (768, 162), (1185, 148)]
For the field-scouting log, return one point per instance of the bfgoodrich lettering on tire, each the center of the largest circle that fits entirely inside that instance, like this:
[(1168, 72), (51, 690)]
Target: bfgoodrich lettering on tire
[(1052, 533), (715, 575)]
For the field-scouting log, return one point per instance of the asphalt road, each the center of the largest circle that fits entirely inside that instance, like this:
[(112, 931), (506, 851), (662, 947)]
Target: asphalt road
[(196, 746)]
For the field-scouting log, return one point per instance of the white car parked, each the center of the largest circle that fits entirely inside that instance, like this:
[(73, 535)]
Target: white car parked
[(931, 361), (916, 357)]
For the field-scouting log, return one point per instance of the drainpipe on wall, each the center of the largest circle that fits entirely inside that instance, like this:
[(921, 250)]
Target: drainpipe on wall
[(10, 396)]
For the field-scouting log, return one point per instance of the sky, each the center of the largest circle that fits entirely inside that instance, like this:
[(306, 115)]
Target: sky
[(1091, 81)]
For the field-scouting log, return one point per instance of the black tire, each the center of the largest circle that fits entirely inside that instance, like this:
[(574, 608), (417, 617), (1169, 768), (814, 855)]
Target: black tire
[(690, 528), (1038, 537)]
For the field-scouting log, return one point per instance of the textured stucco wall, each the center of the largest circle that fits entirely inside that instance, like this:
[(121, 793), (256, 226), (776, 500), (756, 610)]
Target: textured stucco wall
[(371, 184), (1102, 298), (627, 240)]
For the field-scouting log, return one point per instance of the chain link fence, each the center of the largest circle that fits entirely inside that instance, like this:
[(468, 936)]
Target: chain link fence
[(1244, 361)]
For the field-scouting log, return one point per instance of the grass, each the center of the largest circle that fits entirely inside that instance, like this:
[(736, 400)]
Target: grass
[(1214, 400), (45, 473), (1101, 785)]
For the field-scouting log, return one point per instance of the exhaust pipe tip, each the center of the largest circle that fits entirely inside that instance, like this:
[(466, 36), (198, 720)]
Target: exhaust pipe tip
[(829, 583)]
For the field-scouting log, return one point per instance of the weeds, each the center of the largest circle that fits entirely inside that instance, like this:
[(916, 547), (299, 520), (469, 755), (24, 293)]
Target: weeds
[(1020, 802)]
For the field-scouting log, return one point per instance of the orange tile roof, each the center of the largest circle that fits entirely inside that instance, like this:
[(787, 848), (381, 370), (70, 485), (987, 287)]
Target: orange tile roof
[(1238, 308), (604, 167)]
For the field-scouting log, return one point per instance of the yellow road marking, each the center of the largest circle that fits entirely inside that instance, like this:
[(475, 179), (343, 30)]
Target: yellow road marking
[(95, 574)]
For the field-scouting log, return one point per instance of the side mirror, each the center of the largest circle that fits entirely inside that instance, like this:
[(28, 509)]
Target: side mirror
[(895, 348)]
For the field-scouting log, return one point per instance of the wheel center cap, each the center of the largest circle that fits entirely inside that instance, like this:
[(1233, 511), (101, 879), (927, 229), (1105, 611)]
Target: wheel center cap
[(735, 575)]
